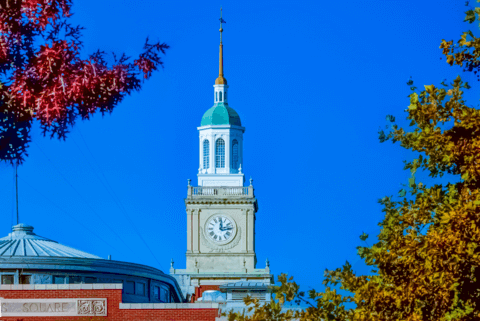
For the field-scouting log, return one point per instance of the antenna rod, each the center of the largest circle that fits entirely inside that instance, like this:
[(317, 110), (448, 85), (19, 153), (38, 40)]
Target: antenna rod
[(16, 188)]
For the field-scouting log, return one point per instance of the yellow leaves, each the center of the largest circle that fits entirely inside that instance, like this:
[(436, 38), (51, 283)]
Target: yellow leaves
[(463, 40), (445, 45), (428, 264), (413, 101), (471, 247), (446, 158), (450, 59), (445, 218), (430, 89)]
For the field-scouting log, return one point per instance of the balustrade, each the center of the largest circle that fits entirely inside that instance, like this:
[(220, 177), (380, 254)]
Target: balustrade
[(205, 191)]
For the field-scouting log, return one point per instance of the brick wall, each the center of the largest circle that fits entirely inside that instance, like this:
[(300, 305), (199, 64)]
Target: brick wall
[(134, 312)]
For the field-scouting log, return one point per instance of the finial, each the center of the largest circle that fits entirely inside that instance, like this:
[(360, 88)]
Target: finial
[(267, 263), (171, 263), (244, 262), (251, 181), (196, 263), (221, 80), (221, 21), (189, 180), (240, 169)]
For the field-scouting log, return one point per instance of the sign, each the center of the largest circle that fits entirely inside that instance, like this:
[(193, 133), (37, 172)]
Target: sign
[(53, 307)]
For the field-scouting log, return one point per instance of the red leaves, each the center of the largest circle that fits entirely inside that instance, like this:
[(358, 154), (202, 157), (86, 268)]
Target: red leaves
[(58, 79), (38, 14), (50, 82), (145, 65)]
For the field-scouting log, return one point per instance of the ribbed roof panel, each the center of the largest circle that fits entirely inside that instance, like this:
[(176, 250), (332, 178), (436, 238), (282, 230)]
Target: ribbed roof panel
[(22, 242)]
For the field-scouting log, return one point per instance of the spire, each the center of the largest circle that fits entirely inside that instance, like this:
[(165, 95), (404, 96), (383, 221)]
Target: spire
[(16, 189), (221, 80)]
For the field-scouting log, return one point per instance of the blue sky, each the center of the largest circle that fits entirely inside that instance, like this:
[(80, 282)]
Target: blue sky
[(312, 82)]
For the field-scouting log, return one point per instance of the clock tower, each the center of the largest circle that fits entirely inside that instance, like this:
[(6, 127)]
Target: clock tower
[(220, 211)]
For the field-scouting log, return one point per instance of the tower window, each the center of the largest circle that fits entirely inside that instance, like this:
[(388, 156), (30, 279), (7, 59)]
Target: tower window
[(235, 154), (220, 96), (206, 154), (220, 153)]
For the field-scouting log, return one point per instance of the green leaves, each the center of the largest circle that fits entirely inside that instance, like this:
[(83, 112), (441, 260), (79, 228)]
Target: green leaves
[(411, 182), (364, 236), (390, 118), (470, 16), (381, 136)]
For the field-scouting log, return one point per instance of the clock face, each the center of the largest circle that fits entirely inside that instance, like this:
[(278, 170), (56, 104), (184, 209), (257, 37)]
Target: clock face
[(220, 228)]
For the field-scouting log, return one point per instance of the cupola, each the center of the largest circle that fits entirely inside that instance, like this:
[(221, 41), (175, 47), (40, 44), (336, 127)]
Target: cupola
[(221, 137)]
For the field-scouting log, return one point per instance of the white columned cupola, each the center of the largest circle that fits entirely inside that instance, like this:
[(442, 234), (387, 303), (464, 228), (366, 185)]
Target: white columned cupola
[(221, 138)]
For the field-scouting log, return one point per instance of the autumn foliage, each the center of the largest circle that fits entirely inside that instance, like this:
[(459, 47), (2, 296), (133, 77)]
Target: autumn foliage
[(42, 76), (426, 263)]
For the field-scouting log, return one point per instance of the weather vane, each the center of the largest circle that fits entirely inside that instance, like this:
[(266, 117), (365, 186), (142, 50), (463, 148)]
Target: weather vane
[(221, 21)]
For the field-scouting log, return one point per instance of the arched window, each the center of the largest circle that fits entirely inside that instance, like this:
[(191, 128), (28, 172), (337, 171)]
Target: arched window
[(235, 154), (220, 154), (220, 96), (206, 154)]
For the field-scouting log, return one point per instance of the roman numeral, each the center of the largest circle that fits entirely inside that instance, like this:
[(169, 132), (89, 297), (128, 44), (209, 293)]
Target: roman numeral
[(211, 233), (210, 228), (227, 234), (215, 220)]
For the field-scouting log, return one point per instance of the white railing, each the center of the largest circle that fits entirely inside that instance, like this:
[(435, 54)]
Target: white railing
[(196, 191)]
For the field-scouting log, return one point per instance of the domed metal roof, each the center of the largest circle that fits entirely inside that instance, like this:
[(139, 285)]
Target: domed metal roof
[(22, 242), (221, 114)]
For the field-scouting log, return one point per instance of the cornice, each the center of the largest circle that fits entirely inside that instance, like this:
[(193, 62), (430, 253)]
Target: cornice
[(220, 200)]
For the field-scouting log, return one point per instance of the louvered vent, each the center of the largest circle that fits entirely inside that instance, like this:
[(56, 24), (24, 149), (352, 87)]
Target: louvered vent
[(258, 295), (236, 295)]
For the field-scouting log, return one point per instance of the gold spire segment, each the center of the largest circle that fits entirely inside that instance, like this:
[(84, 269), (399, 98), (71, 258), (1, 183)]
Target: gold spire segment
[(220, 80)]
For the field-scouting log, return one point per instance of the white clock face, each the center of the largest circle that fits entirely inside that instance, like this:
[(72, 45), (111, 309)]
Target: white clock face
[(220, 228)]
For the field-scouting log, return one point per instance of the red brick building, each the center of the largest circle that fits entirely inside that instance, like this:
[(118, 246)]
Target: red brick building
[(53, 306)]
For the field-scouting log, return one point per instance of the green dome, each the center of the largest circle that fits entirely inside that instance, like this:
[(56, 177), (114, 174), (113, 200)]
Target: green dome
[(221, 114)]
